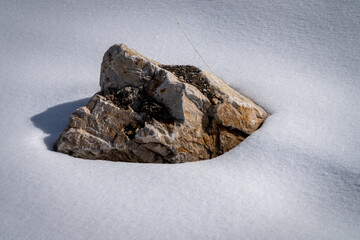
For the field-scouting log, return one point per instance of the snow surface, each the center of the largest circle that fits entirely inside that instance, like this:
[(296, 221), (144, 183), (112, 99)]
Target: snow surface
[(298, 177)]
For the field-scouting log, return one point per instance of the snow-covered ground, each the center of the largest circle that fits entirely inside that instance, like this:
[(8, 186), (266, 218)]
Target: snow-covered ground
[(298, 177)]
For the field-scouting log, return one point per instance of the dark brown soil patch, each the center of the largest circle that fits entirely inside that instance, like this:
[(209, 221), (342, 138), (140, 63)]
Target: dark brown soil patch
[(142, 103), (191, 75), (130, 130)]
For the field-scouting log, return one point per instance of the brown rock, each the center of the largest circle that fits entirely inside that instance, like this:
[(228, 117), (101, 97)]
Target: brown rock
[(153, 113)]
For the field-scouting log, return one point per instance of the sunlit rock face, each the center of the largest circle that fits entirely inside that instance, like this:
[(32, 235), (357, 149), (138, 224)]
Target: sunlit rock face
[(153, 113)]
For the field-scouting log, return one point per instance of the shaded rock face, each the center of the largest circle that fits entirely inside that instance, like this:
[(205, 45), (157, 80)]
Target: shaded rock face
[(153, 113)]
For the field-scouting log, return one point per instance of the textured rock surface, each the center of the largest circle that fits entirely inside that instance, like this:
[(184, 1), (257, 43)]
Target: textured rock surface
[(149, 112)]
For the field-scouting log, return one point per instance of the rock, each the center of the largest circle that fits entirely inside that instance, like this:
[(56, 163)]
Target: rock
[(153, 113)]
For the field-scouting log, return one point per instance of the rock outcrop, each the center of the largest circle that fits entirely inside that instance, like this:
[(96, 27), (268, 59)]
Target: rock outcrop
[(153, 113)]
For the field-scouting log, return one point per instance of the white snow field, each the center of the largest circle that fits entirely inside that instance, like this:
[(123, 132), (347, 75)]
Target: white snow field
[(297, 177)]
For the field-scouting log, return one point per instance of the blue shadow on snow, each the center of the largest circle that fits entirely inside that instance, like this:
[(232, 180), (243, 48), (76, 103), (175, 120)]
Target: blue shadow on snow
[(54, 120)]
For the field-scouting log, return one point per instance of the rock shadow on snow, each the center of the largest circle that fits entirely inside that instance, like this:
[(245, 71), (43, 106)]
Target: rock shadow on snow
[(53, 120)]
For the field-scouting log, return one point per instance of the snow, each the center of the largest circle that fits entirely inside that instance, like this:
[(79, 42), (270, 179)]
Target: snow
[(298, 177)]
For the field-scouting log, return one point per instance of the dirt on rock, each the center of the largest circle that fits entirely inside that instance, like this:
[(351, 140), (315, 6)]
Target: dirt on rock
[(142, 103), (192, 75)]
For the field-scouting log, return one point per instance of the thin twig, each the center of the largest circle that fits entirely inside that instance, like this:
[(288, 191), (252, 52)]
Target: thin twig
[(194, 48)]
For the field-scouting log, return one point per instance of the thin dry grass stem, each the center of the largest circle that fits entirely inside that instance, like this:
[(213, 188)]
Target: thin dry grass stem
[(195, 48)]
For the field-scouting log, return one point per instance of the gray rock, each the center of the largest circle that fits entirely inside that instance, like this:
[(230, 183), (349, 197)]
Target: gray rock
[(153, 113)]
